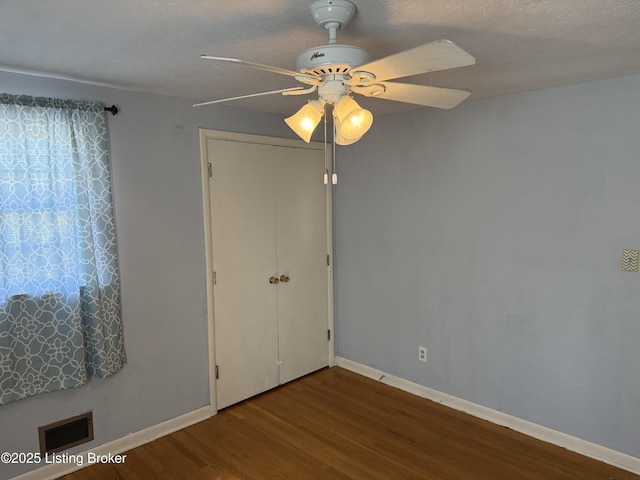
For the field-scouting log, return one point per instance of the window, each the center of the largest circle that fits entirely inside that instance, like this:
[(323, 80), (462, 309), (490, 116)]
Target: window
[(60, 316)]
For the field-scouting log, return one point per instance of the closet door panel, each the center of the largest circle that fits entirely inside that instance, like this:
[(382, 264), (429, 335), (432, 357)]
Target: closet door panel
[(301, 233), (244, 252)]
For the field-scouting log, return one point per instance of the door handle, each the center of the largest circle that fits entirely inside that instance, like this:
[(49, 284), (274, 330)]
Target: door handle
[(273, 280), (284, 278)]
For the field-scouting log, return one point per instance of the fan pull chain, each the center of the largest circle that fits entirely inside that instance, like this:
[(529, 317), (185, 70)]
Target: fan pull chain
[(326, 169), (334, 177)]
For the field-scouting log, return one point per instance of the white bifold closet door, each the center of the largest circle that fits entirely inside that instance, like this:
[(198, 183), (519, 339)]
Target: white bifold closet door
[(269, 222)]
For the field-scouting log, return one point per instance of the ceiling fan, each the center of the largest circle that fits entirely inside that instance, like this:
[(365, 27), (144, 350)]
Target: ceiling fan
[(335, 71)]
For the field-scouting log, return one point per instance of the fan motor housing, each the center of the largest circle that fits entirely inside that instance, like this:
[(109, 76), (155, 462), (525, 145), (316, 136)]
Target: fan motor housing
[(331, 59)]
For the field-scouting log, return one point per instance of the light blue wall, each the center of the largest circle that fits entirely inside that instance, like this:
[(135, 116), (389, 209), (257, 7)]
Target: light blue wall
[(492, 234), (158, 207)]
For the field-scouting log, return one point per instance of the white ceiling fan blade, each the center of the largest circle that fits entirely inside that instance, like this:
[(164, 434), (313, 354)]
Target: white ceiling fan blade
[(260, 66), (430, 57), (423, 95), (282, 90)]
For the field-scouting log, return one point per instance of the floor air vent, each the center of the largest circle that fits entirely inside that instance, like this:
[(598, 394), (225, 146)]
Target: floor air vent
[(66, 433)]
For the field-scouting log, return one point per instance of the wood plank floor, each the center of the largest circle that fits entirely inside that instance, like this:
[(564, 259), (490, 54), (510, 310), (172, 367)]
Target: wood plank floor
[(335, 424)]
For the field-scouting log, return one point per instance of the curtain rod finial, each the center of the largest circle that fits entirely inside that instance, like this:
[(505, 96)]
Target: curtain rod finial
[(113, 109)]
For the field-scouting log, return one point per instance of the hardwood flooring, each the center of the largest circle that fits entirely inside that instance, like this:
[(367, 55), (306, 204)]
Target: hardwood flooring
[(335, 424)]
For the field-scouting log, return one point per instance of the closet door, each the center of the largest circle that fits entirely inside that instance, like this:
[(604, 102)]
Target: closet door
[(269, 230), (301, 235), (244, 258)]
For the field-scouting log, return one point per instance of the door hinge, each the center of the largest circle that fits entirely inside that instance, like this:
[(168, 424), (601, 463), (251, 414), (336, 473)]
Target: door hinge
[(215, 278), (217, 373), (210, 170), (328, 260), (328, 334)]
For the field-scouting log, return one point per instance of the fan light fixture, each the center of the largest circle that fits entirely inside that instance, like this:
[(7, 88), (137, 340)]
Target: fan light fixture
[(351, 120), (305, 120)]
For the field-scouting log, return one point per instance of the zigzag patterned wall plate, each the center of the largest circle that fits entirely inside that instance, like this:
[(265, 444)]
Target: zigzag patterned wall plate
[(630, 260)]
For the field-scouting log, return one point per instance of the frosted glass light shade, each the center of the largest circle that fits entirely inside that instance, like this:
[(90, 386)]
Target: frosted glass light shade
[(340, 140), (352, 121), (305, 120)]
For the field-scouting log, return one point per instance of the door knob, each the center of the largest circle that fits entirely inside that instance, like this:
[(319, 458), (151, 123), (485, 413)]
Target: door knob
[(284, 278), (273, 280)]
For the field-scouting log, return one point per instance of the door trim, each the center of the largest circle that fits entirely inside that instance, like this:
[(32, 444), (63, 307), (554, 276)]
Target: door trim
[(205, 135)]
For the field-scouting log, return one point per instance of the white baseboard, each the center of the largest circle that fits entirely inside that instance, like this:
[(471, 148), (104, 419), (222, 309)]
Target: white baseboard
[(115, 447), (598, 452)]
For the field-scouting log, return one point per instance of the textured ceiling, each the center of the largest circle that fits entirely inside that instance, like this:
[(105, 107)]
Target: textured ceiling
[(154, 46)]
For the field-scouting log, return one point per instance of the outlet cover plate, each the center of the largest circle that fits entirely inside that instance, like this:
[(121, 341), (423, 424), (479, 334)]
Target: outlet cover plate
[(422, 354)]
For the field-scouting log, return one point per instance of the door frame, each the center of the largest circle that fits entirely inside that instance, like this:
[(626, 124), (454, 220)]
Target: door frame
[(205, 135)]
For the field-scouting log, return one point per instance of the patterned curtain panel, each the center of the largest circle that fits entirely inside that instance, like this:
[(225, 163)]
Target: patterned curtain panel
[(59, 283)]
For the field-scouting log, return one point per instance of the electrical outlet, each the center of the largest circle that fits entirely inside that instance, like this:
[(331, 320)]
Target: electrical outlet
[(422, 354)]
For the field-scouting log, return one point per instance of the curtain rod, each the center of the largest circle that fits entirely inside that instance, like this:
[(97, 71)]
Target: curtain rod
[(113, 109)]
